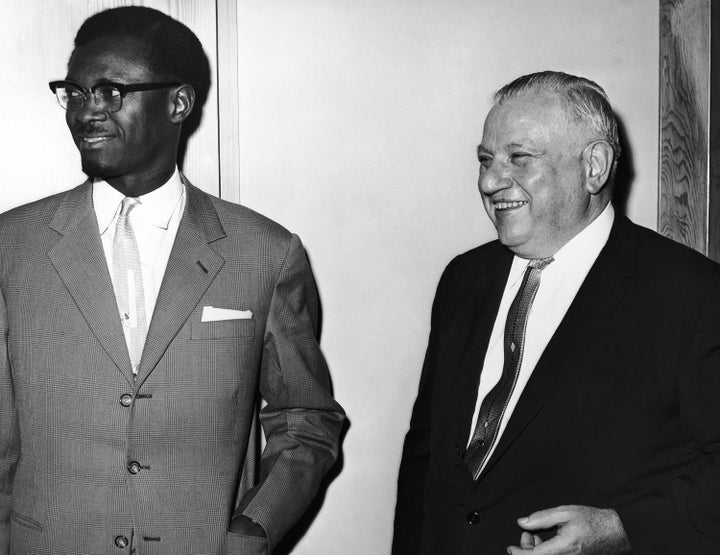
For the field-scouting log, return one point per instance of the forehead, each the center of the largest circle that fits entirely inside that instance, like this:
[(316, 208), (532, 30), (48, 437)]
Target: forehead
[(109, 60), (529, 119)]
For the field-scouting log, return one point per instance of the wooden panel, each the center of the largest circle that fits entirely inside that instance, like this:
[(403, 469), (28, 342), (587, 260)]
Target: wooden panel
[(39, 156), (714, 150), (228, 94), (684, 117)]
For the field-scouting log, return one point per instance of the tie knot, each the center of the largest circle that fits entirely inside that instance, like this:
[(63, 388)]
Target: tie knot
[(540, 263), (128, 203)]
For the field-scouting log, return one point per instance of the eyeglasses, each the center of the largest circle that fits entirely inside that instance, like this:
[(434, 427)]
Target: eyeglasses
[(108, 96)]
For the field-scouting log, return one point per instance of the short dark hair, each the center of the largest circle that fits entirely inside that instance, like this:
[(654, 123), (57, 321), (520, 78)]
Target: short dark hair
[(583, 99), (172, 51)]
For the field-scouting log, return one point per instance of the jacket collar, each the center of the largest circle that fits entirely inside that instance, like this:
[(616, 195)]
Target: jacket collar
[(79, 259)]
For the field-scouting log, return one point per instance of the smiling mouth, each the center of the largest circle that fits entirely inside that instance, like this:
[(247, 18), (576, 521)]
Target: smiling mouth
[(94, 142), (509, 205)]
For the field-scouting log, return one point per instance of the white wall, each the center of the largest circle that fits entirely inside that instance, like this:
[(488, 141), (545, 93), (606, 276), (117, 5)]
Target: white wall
[(358, 125)]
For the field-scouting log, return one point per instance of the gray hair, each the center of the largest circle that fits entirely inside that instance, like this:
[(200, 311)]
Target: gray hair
[(584, 100)]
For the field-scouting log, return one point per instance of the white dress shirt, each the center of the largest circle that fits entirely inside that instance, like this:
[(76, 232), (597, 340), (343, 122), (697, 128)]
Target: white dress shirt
[(559, 283), (155, 221)]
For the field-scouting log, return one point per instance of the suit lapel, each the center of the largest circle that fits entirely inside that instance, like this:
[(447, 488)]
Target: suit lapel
[(191, 268), (80, 262), (596, 300), (488, 291)]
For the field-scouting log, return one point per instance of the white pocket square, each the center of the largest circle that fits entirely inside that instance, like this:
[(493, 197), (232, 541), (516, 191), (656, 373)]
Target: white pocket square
[(212, 314)]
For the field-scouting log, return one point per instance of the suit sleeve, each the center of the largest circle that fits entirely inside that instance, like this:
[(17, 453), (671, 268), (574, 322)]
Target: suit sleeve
[(409, 510), (684, 517), (301, 421), (9, 436)]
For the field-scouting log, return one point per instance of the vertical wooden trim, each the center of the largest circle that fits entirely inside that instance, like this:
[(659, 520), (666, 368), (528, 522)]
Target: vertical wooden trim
[(684, 119), (714, 150), (228, 94)]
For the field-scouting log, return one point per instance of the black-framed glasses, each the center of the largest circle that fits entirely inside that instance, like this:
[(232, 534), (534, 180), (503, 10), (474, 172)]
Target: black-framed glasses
[(108, 96)]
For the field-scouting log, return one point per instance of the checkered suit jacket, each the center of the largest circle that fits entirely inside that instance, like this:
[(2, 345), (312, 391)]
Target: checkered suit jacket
[(91, 459)]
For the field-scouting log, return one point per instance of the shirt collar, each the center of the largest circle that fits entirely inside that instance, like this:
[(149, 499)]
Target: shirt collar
[(156, 207), (579, 252), (587, 244)]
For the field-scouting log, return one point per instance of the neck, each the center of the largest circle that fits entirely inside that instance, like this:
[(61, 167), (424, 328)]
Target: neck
[(139, 185)]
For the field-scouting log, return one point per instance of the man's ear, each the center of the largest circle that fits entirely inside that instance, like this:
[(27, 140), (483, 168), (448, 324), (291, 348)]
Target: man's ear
[(598, 157), (183, 100)]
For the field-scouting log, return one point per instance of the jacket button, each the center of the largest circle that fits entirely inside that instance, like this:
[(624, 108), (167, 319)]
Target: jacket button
[(134, 467), (126, 400), (121, 542), (473, 518)]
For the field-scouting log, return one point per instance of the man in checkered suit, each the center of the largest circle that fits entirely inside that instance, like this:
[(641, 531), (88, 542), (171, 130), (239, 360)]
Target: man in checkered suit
[(127, 414)]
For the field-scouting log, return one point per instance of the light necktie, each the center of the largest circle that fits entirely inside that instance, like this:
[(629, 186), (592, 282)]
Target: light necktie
[(128, 283), (495, 402)]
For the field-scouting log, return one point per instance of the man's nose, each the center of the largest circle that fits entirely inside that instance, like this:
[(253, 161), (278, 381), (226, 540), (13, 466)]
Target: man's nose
[(494, 178), (90, 111)]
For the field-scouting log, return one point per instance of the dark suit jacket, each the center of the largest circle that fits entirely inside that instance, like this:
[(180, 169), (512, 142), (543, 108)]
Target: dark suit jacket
[(621, 411), (73, 419)]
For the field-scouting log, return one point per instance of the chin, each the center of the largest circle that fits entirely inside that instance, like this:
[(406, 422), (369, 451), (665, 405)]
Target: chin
[(518, 247), (95, 169), (511, 240)]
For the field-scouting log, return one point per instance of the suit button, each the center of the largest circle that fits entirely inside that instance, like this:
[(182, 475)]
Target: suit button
[(473, 518), (121, 542), (134, 467), (126, 400)]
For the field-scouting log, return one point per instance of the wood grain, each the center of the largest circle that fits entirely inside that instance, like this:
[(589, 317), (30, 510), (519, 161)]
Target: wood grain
[(714, 150), (684, 117)]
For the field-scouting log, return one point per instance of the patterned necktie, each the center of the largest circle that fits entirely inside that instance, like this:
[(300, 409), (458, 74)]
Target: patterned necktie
[(495, 402), (128, 283)]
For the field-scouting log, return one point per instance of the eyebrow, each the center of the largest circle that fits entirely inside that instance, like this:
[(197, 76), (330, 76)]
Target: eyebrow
[(510, 146)]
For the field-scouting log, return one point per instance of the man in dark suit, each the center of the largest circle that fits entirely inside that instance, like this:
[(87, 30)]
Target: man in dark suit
[(569, 397), (141, 320)]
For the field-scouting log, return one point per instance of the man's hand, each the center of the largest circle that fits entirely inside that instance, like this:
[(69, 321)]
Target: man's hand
[(580, 530)]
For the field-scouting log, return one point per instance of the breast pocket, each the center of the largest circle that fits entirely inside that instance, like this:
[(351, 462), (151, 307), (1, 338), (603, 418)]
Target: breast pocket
[(25, 521), (26, 535), (222, 329)]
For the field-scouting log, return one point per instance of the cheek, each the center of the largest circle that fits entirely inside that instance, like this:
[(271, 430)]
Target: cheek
[(541, 190), (69, 119), (486, 202), (549, 191)]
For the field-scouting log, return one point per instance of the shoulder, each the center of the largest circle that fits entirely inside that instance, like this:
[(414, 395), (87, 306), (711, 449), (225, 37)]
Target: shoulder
[(243, 230), (669, 260), (477, 262), (237, 218), (35, 209), (33, 218), (476, 270)]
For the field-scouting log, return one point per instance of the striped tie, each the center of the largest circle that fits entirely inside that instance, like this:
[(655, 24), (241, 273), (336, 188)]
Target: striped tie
[(495, 402)]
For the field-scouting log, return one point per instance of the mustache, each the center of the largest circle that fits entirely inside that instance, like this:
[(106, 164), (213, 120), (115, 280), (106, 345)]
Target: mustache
[(89, 129)]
